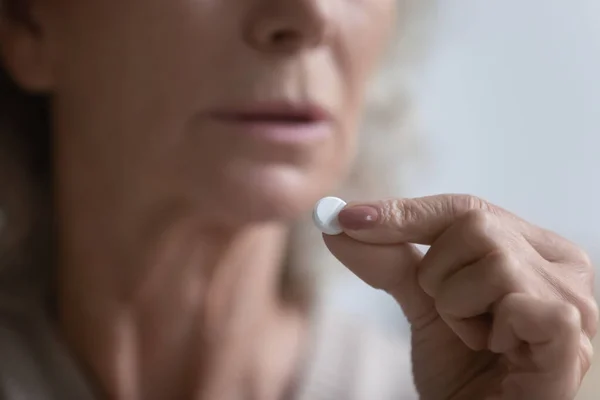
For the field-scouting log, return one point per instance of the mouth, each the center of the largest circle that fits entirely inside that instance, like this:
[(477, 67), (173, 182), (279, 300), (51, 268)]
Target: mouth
[(276, 113), (277, 122)]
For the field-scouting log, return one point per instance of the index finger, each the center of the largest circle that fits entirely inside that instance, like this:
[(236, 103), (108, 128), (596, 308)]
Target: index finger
[(419, 220)]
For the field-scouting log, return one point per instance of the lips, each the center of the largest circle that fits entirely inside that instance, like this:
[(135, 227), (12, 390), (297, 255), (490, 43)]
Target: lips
[(276, 113), (289, 118), (277, 123)]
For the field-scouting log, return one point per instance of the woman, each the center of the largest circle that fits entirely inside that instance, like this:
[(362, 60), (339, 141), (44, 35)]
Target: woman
[(187, 137)]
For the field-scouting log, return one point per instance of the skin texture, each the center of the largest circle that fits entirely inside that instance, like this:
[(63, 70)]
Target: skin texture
[(172, 227), (500, 309)]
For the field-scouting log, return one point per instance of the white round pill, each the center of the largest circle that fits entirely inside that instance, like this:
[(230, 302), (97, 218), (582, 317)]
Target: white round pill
[(325, 215)]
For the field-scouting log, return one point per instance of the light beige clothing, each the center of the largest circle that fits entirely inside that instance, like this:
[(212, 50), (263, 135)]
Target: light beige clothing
[(352, 360), (346, 361), (590, 388)]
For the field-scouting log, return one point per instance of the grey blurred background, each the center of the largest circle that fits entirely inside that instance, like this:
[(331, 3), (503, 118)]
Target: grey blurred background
[(508, 98)]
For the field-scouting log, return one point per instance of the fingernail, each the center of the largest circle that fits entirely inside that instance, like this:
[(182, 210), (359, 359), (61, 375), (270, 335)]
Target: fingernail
[(357, 218)]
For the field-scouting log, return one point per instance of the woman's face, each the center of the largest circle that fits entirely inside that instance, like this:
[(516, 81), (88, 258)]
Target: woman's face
[(242, 109)]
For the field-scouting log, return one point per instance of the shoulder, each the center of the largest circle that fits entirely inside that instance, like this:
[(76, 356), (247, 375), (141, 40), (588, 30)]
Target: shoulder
[(353, 360), (33, 363)]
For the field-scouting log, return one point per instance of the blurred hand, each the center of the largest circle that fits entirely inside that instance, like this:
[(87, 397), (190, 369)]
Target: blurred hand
[(499, 308)]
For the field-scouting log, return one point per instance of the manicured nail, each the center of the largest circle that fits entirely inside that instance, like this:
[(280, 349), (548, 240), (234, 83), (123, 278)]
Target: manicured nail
[(357, 218)]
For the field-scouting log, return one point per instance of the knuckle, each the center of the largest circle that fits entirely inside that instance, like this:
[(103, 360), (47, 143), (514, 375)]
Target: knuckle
[(483, 229), (445, 307), (504, 260), (427, 281), (469, 202), (510, 302), (586, 353), (479, 221), (505, 269), (389, 209), (582, 257), (567, 317), (393, 211), (401, 212), (590, 312)]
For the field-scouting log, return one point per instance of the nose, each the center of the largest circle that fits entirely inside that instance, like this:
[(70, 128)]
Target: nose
[(287, 26)]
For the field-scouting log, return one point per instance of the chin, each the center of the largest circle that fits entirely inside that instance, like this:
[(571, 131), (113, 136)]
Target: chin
[(274, 195)]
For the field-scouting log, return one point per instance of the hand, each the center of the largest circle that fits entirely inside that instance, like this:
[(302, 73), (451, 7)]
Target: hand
[(499, 308)]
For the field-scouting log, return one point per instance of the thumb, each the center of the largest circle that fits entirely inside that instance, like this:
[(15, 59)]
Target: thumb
[(392, 268)]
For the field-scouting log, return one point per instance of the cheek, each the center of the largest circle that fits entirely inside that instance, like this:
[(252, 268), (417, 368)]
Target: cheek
[(134, 48), (129, 74), (364, 34)]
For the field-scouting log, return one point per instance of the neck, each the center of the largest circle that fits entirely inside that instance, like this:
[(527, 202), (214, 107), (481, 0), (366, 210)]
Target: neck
[(158, 309)]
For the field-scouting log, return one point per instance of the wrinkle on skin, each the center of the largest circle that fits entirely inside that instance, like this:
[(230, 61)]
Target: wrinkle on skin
[(171, 227)]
